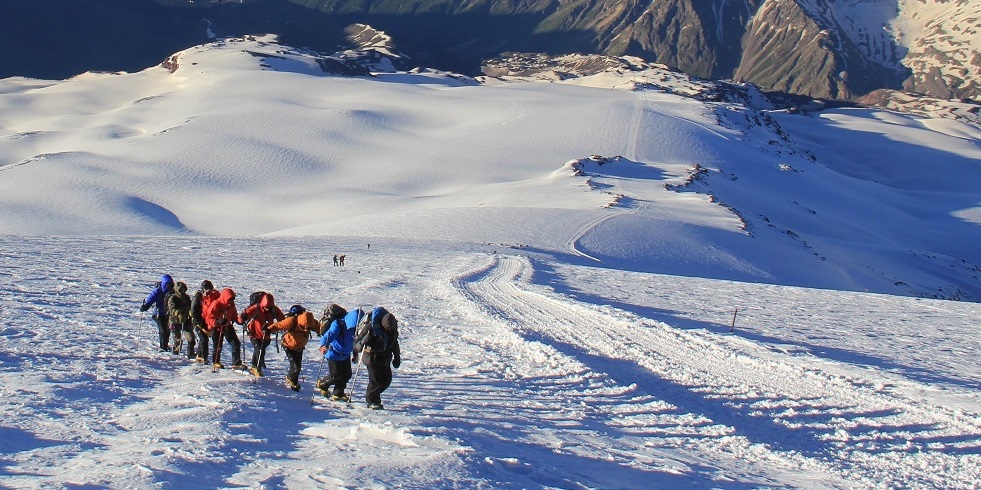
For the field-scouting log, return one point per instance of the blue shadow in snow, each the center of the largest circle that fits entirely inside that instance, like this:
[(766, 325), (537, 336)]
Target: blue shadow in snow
[(155, 213), (503, 434), (548, 276), (759, 425)]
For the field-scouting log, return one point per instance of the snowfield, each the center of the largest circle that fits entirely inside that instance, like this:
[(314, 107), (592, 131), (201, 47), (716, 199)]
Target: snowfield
[(518, 372), (597, 287)]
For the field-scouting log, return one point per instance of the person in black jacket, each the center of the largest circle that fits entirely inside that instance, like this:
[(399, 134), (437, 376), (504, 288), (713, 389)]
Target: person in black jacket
[(201, 300), (379, 344)]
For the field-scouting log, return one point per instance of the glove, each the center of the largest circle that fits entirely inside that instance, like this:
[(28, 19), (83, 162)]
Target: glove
[(354, 356), (396, 362), (144, 307)]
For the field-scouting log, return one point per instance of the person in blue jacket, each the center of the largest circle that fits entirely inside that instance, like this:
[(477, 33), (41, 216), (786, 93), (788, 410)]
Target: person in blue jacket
[(158, 299), (336, 345)]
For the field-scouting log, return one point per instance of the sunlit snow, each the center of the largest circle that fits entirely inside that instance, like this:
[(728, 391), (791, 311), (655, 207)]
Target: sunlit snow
[(598, 287)]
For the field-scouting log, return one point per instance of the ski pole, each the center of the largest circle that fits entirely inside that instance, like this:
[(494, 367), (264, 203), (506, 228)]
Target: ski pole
[(356, 371)]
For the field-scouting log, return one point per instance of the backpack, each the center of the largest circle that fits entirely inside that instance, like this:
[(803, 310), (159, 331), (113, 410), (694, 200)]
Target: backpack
[(370, 332), (362, 331), (256, 297)]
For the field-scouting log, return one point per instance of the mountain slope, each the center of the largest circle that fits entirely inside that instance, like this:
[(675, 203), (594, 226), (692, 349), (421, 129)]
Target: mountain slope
[(688, 176)]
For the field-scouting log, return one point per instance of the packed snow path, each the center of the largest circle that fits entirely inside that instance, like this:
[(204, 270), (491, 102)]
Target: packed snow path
[(689, 389)]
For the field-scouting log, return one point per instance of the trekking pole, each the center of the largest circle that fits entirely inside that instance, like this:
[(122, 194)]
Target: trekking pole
[(316, 381), (356, 371), (216, 358), (262, 355), (139, 333), (179, 341)]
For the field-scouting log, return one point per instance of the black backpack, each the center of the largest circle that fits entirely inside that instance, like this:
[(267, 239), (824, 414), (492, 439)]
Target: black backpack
[(255, 297)]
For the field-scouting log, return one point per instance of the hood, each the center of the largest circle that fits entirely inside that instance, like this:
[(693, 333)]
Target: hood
[(353, 318), (227, 295), (267, 301), (166, 282)]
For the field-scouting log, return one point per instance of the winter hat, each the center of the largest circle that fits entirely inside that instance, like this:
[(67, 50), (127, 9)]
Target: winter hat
[(296, 310), (389, 322), (206, 285)]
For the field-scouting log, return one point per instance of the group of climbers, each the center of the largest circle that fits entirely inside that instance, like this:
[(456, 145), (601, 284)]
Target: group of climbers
[(345, 336)]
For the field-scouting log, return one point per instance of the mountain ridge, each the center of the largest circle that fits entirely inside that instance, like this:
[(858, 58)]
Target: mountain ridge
[(818, 48)]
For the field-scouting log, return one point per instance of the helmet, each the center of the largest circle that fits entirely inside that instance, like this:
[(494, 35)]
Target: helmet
[(296, 310), (206, 285)]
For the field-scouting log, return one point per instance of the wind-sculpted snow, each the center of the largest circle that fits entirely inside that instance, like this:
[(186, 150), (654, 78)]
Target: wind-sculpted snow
[(519, 371)]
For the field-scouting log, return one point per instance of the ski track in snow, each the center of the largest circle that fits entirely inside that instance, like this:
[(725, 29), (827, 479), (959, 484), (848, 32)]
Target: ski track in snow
[(733, 399)]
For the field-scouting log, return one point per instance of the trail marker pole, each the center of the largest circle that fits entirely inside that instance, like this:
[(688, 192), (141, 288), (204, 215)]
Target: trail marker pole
[(733, 327)]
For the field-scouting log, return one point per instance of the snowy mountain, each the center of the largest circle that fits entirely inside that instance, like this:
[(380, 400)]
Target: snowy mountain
[(820, 48), (943, 42), (608, 274)]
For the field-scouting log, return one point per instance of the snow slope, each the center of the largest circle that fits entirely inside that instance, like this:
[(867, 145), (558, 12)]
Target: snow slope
[(518, 372), (565, 318)]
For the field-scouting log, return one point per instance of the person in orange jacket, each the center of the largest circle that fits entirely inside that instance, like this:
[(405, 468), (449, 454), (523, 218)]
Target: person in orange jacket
[(220, 316), (254, 317), (298, 324)]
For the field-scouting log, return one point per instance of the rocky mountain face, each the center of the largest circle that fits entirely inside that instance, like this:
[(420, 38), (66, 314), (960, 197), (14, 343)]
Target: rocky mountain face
[(833, 49)]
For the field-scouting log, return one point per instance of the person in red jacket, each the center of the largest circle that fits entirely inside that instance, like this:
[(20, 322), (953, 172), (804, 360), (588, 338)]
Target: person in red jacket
[(254, 317), (220, 316), (298, 324)]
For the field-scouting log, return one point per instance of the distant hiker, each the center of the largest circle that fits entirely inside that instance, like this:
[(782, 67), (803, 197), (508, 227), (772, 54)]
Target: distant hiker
[(219, 316), (297, 325), (377, 339), (158, 299), (369, 246), (179, 306), (202, 299), (335, 259), (336, 346), (342, 259), (254, 317)]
